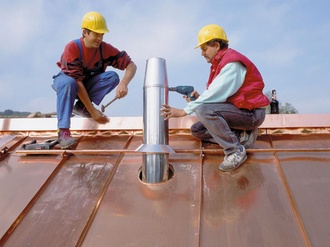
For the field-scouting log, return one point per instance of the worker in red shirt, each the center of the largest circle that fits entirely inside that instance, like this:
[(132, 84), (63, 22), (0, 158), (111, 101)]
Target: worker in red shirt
[(83, 80)]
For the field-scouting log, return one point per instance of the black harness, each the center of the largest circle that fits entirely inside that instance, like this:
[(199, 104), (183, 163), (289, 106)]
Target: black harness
[(97, 69)]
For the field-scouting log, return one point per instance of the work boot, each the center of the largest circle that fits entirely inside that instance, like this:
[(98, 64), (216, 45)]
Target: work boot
[(248, 138), (233, 160), (80, 109), (65, 139)]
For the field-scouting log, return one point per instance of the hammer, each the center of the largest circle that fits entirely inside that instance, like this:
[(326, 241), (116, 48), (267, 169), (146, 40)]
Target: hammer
[(104, 106)]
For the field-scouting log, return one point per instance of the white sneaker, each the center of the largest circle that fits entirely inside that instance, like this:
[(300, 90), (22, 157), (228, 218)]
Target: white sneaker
[(233, 160)]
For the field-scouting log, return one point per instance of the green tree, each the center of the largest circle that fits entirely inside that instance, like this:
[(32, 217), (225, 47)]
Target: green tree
[(8, 112), (288, 108)]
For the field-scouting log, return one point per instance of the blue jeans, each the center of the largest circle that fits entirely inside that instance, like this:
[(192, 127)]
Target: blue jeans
[(66, 89), (220, 123)]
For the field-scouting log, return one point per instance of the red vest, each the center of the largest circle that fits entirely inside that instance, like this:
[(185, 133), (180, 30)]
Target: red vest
[(249, 95)]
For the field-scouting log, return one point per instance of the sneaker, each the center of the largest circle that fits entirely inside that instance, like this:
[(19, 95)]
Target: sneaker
[(65, 139), (248, 138), (233, 160), (80, 109)]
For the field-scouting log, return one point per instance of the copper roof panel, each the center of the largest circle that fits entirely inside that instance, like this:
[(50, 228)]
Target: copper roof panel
[(165, 214), (59, 215), (21, 177), (308, 178), (302, 141), (249, 206), (93, 195)]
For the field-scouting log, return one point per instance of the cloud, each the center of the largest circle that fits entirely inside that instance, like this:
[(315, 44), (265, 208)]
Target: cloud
[(7, 89), (21, 24), (42, 104), (286, 40)]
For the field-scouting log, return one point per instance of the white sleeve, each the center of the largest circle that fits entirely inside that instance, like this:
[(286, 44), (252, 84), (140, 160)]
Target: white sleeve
[(229, 80)]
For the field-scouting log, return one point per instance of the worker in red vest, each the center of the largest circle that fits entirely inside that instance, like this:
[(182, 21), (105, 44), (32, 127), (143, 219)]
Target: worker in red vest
[(232, 107)]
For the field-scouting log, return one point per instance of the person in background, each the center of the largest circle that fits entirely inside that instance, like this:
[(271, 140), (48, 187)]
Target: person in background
[(83, 80), (232, 107)]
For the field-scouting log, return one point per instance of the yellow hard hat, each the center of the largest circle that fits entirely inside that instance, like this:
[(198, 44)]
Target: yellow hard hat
[(210, 32), (95, 22)]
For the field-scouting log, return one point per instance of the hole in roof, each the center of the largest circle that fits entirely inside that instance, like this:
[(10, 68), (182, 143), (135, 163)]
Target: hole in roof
[(171, 174)]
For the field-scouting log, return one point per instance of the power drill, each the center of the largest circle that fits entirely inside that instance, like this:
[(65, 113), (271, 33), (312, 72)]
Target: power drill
[(185, 90)]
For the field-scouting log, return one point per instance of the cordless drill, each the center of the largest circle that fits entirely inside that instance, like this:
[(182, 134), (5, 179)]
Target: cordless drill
[(185, 90)]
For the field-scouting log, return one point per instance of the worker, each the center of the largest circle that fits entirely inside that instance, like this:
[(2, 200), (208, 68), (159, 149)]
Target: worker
[(83, 80), (232, 107)]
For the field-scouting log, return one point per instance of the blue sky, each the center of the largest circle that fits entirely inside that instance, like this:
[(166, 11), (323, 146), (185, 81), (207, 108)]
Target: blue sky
[(287, 41)]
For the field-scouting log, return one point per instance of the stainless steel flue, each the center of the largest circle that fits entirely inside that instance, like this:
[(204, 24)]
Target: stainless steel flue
[(155, 148)]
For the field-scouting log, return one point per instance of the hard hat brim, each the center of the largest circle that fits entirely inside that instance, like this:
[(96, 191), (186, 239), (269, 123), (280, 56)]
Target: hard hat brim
[(101, 31)]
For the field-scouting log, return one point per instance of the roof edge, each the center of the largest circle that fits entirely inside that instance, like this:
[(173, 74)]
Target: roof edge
[(136, 123)]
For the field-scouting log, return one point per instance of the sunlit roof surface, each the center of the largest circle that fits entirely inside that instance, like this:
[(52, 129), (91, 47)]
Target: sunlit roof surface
[(93, 195)]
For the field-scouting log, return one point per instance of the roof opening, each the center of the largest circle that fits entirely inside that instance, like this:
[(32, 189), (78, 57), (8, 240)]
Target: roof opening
[(171, 173)]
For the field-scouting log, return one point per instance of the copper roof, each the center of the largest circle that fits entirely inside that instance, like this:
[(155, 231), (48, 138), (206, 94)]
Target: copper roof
[(93, 195)]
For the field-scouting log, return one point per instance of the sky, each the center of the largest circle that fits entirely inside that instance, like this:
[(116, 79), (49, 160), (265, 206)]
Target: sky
[(287, 40)]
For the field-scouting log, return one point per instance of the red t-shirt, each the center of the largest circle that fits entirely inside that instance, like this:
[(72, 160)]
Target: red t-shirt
[(73, 65)]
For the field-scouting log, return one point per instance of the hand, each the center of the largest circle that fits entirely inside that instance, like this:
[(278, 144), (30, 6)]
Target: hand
[(169, 112), (193, 94), (122, 90), (99, 117)]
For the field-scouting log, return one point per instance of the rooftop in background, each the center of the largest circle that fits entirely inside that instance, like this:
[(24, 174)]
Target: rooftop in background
[(93, 195)]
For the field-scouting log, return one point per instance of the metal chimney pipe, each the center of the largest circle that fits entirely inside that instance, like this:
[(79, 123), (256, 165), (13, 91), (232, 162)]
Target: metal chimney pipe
[(155, 167)]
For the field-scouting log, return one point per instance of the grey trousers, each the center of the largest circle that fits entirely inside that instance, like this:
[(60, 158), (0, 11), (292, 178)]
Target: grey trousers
[(222, 122)]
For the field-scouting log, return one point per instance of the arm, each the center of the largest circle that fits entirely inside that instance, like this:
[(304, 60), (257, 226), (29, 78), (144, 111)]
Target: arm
[(122, 61), (120, 93), (168, 112), (95, 113), (122, 88), (223, 86)]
